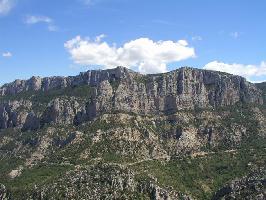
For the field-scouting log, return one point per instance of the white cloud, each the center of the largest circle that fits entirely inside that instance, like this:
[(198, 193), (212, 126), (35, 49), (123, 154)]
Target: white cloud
[(7, 54), (148, 55), (31, 19), (6, 6), (162, 22), (100, 37), (248, 71), (196, 38)]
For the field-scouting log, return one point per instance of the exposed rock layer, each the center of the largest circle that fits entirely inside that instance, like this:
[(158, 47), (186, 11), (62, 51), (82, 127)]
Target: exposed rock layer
[(123, 90), (117, 134)]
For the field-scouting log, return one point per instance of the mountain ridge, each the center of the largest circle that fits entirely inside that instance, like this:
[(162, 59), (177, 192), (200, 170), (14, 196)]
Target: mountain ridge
[(111, 71), (123, 90), (117, 134)]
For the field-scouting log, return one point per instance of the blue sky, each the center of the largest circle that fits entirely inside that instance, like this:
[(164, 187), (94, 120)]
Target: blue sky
[(64, 37)]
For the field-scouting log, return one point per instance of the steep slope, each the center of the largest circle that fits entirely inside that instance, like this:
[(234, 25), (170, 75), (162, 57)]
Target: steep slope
[(119, 90), (118, 134), (249, 187)]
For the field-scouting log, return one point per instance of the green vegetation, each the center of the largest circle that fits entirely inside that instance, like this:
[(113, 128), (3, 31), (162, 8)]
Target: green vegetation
[(262, 86), (10, 146), (40, 99), (198, 176), (202, 176), (39, 175), (241, 115), (142, 79), (115, 83), (103, 125), (6, 163), (83, 91), (69, 154), (10, 132), (110, 151)]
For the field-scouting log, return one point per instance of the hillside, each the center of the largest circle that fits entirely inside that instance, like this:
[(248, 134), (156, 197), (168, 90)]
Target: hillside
[(118, 134)]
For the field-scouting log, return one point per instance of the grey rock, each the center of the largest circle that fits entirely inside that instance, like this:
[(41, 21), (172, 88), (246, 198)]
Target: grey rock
[(122, 90), (3, 192), (60, 111), (32, 122), (249, 187)]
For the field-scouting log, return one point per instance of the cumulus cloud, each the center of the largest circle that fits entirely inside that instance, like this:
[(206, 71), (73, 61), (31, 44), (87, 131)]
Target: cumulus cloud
[(31, 19), (100, 37), (7, 54), (248, 71), (6, 6), (148, 55)]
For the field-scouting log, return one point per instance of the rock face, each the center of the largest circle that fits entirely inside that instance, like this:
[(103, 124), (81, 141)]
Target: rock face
[(95, 183), (123, 90), (3, 192), (252, 186), (118, 134), (181, 88), (61, 111), (11, 115)]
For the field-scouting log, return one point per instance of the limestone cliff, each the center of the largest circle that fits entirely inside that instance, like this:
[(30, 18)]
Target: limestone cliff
[(122, 90), (117, 134)]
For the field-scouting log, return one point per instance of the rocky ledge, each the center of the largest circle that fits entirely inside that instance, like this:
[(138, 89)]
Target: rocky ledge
[(119, 90)]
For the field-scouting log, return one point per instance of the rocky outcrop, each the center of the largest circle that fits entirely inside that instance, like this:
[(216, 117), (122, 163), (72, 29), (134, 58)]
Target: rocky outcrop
[(139, 130), (122, 90), (32, 122), (92, 78), (157, 193), (248, 188), (183, 86), (11, 114), (3, 192), (61, 111), (167, 93), (101, 181)]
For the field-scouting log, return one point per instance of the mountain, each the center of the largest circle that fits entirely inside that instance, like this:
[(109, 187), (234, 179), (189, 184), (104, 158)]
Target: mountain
[(119, 134)]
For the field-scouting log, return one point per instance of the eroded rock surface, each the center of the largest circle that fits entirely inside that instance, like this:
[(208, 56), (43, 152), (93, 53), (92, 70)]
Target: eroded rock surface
[(123, 90), (118, 134)]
